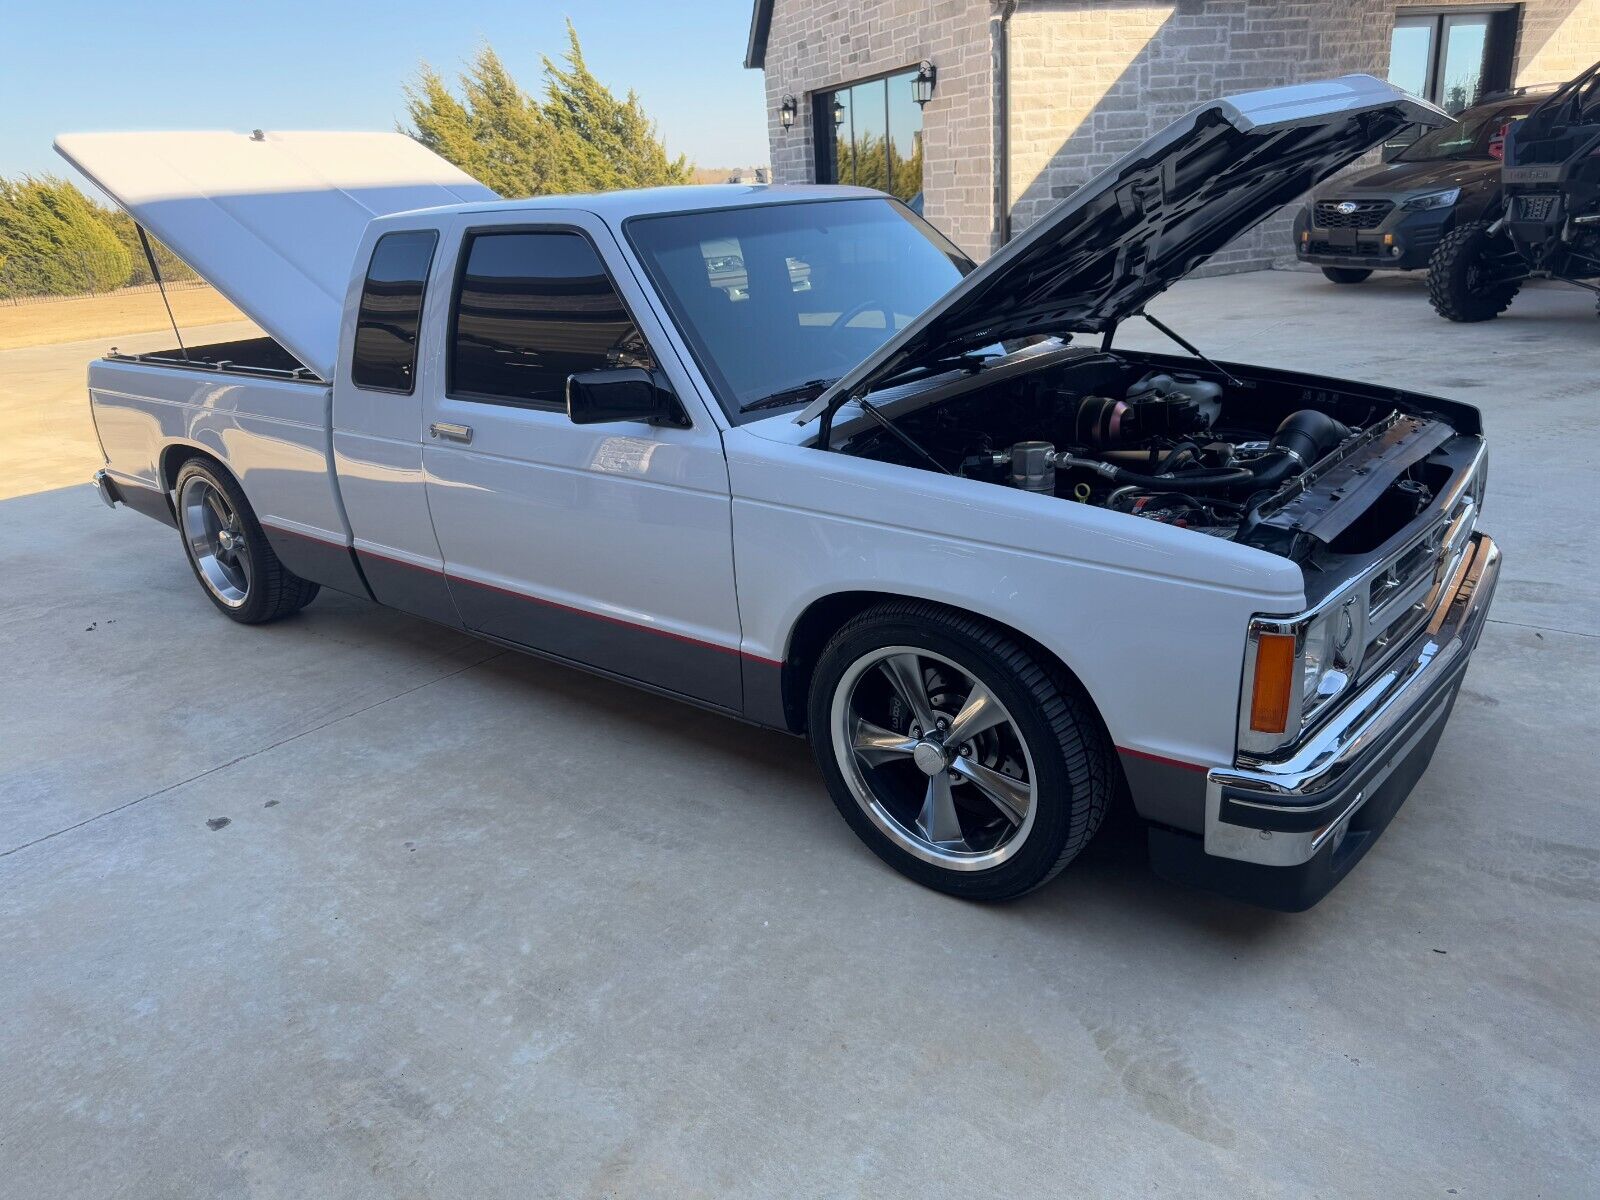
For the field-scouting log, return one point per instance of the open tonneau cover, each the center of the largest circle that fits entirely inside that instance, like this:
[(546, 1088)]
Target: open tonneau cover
[(272, 220)]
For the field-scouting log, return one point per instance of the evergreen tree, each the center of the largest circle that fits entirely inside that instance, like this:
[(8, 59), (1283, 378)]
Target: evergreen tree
[(581, 139), (53, 241), (623, 149), (172, 267)]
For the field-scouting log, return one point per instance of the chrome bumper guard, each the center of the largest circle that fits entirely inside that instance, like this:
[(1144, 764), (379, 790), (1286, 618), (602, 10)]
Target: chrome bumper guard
[(1283, 813)]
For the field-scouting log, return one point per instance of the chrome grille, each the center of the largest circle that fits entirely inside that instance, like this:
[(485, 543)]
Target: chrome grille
[(1364, 214), (1404, 590)]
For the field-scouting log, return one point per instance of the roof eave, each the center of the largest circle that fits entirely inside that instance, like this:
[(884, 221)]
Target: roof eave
[(755, 51)]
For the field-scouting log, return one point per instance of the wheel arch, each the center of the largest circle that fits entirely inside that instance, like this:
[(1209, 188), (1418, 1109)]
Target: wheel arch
[(827, 614), (175, 454)]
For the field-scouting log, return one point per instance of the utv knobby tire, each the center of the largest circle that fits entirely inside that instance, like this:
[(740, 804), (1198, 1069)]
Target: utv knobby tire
[(274, 591), (1073, 760), (1346, 274), (1453, 289)]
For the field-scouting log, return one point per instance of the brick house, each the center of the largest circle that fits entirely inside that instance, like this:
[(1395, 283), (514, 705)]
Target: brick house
[(1029, 98)]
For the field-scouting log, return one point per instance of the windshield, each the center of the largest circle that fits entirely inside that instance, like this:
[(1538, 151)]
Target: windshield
[(779, 300), (1457, 141)]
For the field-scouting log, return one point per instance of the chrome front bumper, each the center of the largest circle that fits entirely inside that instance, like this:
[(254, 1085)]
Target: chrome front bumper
[(1285, 813)]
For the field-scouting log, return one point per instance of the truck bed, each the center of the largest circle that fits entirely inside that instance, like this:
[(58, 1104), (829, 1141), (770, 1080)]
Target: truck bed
[(246, 356), (248, 404)]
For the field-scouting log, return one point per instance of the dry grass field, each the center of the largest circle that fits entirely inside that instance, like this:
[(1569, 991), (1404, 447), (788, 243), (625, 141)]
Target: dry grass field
[(46, 322)]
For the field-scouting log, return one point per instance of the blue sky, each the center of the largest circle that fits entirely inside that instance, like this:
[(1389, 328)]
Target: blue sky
[(77, 65)]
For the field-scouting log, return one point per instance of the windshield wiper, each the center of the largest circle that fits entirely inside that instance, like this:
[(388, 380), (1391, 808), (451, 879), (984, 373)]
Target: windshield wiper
[(809, 390)]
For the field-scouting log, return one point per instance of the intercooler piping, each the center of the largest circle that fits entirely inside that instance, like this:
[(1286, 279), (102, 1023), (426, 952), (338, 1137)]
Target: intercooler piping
[(1301, 439)]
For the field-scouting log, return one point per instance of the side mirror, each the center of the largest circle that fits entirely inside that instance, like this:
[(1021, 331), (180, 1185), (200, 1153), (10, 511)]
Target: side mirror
[(624, 394)]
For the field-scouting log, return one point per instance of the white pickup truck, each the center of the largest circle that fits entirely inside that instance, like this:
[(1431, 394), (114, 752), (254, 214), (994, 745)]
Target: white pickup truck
[(787, 454)]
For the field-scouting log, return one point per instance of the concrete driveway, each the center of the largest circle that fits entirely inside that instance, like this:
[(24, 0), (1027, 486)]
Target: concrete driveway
[(355, 906)]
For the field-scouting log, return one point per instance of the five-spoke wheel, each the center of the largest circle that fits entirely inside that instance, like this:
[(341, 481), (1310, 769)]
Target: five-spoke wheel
[(215, 536), (958, 755), (933, 758), (231, 556)]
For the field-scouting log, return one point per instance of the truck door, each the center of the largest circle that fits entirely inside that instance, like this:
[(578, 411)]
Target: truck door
[(608, 545), (377, 420)]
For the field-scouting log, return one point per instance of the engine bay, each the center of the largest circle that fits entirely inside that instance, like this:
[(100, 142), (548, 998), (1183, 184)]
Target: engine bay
[(1203, 451)]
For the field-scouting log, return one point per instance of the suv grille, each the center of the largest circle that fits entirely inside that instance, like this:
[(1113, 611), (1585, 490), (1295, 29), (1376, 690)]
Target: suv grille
[(1368, 214)]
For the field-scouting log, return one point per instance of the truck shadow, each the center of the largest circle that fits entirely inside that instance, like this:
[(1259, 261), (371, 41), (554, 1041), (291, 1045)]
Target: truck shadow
[(776, 774)]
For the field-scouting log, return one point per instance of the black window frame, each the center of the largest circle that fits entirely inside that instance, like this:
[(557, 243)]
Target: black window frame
[(422, 308), (464, 255), (825, 165), (1499, 52)]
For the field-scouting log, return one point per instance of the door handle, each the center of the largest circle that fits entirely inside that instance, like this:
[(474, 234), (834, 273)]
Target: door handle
[(454, 433)]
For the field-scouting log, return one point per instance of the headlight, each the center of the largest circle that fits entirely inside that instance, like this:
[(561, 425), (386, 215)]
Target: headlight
[(1331, 655), (1432, 200), (1296, 667)]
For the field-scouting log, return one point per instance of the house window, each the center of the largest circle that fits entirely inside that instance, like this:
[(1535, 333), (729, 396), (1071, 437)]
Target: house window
[(1455, 57), (877, 142)]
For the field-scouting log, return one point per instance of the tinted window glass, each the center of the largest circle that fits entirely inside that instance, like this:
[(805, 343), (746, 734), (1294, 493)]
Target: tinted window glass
[(385, 354), (782, 296), (532, 309)]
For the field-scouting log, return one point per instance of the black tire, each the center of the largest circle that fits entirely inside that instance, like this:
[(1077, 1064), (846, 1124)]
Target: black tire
[(1455, 287), (1346, 274), (1065, 746), (270, 590)]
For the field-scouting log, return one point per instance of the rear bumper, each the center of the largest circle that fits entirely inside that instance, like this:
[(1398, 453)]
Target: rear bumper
[(1283, 834), (106, 488)]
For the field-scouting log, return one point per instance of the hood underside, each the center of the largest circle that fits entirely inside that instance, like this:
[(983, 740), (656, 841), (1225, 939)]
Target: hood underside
[(1148, 220)]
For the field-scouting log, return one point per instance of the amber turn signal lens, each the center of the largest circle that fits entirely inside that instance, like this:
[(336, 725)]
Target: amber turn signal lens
[(1275, 677)]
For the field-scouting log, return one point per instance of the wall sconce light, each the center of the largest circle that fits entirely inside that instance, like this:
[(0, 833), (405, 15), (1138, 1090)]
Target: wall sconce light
[(787, 113), (838, 113), (922, 85)]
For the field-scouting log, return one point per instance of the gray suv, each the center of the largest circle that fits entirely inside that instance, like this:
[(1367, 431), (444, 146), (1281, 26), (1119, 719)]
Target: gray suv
[(1392, 216)]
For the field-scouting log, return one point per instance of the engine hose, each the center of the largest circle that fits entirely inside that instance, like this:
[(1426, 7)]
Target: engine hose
[(1205, 479), (1301, 439)]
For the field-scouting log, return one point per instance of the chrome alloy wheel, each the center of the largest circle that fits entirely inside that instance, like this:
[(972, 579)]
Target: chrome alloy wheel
[(217, 542), (933, 758)]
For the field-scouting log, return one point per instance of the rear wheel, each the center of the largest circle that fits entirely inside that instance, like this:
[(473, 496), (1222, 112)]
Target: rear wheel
[(1473, 275), (228, 551), (1346, 274), (960, 758)]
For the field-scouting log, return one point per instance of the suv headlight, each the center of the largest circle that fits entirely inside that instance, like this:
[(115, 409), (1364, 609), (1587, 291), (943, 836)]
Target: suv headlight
[(1432, 200), (1294, 668)]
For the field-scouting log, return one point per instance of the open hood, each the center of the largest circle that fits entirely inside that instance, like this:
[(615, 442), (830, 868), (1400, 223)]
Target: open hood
[(1148, 220), (272, 220)]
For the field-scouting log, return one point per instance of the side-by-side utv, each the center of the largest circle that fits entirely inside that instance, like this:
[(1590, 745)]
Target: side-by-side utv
[(1549, 223)]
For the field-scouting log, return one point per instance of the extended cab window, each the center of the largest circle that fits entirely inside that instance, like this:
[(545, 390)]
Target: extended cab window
[(385, 357), (531, 309)]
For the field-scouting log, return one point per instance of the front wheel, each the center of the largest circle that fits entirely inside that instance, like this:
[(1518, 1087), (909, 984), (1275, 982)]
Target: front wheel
[(961, 758), (1346, 274), (1473, 275), (228, 551)]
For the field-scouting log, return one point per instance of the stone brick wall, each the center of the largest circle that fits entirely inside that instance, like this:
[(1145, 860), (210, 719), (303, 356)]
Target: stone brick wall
[(1090, 79), (816, 45)]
